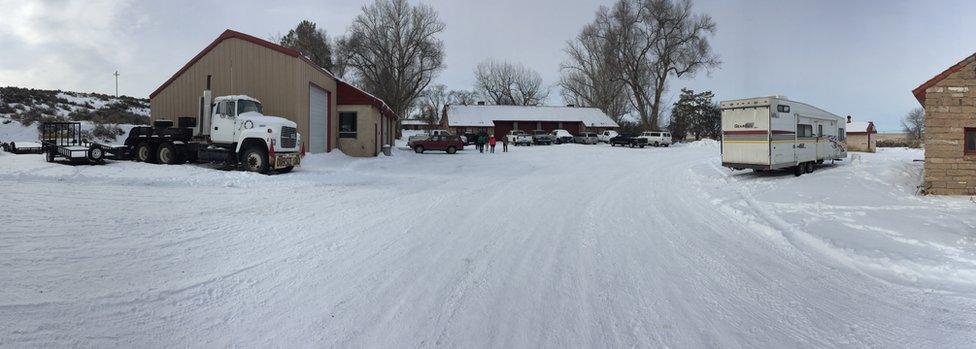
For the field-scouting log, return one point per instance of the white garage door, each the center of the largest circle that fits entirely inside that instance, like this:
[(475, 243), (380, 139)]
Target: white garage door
[(318, 116)]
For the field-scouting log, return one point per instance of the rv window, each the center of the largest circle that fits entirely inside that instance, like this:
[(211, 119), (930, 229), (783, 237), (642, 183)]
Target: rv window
[(783, 108), (841, 134), (819, 130), (804, 131)]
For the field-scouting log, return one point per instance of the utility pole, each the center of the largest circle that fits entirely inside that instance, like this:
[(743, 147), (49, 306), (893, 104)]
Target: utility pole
[(116, 84)]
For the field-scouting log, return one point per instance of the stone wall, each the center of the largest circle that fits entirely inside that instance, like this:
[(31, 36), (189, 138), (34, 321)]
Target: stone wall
[(950, 107)]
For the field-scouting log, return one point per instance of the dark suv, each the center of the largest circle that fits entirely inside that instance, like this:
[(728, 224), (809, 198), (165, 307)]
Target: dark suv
[(449, 143)]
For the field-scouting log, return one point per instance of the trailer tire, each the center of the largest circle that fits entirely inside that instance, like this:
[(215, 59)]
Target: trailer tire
[(167, 154), (144, 152), (256, 159), (96, 155)]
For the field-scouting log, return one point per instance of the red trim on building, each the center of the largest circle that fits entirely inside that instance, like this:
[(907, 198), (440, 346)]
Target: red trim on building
[(919, 91), (230, 34), (348, 94)]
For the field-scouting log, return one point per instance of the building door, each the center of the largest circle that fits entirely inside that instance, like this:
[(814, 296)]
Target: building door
[(318, 120)]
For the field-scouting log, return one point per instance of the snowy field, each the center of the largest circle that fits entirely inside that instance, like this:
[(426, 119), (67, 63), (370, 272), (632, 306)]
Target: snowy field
[(561, 246)]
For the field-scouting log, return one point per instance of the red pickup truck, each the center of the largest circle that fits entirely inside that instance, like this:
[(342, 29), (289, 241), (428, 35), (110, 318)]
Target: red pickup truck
[(449, 143)]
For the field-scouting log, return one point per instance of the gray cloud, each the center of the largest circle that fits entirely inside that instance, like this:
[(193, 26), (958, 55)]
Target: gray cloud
[(854, 57)]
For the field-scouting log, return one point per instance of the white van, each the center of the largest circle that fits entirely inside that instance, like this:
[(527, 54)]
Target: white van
[(657, 139)]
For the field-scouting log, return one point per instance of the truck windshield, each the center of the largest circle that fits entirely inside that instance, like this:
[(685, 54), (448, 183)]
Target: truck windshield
[(244, 106)]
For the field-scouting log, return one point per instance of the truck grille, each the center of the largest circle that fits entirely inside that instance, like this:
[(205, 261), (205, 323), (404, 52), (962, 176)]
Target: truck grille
[(289, 137)]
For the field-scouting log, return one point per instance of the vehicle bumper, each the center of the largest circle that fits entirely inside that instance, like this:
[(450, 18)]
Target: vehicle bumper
[(282, 160)]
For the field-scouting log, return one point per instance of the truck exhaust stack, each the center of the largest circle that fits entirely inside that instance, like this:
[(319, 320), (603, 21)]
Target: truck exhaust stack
[(203, 129)]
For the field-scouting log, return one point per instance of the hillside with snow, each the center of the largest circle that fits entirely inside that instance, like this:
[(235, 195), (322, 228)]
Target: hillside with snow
[(103, 117)]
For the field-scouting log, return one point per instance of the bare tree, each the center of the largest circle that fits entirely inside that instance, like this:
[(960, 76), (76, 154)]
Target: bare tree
[(431, 104), (393, 52), (311, 42), (914, 126), (656, 40), (590, 77), (505, 83), (462, 97)]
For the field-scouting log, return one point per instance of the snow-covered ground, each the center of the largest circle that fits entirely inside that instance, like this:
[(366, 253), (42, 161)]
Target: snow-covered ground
[(559, 246)]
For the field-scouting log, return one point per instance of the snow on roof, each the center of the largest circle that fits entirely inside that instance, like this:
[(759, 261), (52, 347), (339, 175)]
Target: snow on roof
[(414, 122), (486, 115), (859, 126)]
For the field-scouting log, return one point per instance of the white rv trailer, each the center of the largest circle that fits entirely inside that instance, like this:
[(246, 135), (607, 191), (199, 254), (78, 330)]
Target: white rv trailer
[(771, 133)]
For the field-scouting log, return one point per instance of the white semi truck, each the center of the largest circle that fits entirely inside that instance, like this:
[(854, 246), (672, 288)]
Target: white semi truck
[(232, 130), (772, 133)]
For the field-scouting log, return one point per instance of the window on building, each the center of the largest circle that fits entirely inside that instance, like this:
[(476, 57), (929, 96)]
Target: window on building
[(971, 141), (347, 125), (804, 131)]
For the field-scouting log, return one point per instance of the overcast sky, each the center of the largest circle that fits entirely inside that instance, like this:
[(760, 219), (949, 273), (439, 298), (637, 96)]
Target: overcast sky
[(849, 57)]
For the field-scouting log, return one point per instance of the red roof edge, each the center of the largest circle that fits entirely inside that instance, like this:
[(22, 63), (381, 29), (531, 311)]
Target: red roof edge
[(919, 91), (347, 94), (229, 34)]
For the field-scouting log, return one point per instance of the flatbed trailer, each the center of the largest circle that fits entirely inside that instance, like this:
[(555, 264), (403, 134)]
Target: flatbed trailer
[(63, 140)]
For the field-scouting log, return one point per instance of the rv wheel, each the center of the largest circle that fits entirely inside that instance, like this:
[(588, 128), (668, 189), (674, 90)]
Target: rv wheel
[(798, 170)]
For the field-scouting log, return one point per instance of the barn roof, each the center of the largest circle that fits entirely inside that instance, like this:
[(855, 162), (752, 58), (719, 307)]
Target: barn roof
[(231, 34), (347, 94), (486, 115), (919, 91)]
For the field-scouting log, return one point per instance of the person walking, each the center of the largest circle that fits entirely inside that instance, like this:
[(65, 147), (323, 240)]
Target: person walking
[(483, 139), (504, 144), (491, 143)]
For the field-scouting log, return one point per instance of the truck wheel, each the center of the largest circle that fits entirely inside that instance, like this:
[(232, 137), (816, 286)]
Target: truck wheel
[(642, 146), (167, 154), (49, 155), (256, 159), (419, 149), (798, 170), (96, 155), (145, 153), (451, 150), (810, 167)]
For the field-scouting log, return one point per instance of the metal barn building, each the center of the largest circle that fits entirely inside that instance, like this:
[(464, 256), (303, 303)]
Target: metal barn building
[(288, 85), (500, 119)]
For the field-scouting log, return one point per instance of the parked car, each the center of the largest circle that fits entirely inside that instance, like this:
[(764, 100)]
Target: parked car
[(605, 136), (628, 140), (542, 137), (519, 137), (587, 138), (657, 139), (425, 135), (449, 143), (562, 136), (469, 138)]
